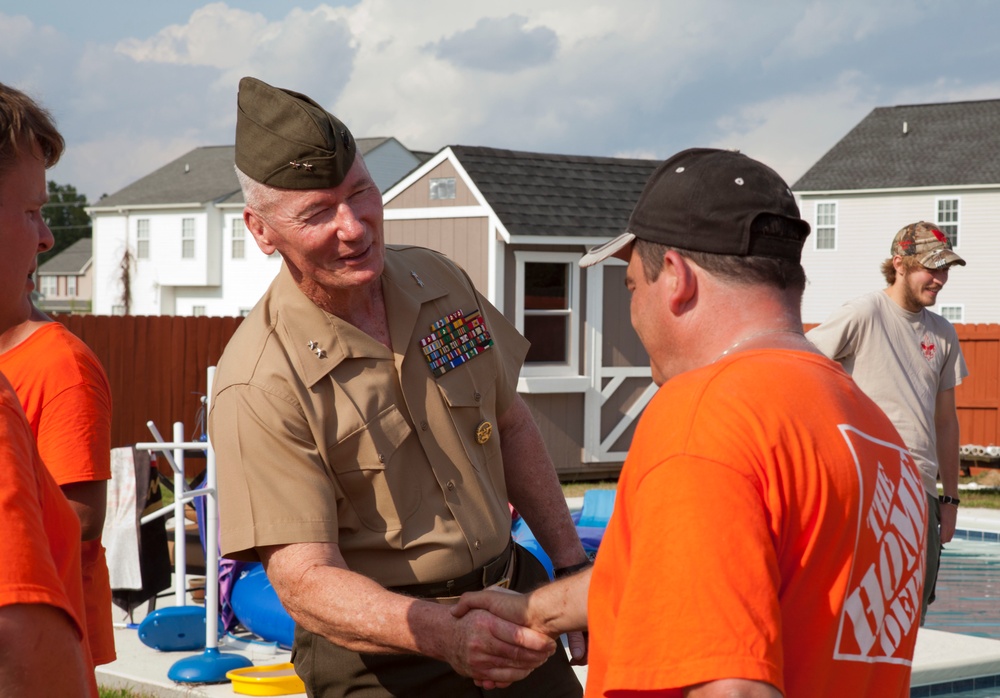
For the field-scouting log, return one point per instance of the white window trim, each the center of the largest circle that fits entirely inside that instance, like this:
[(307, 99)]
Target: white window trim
[(237, 232), (192, 238), (572, 367), (959, 306), (836, 225), (141, 238), (957, 222)]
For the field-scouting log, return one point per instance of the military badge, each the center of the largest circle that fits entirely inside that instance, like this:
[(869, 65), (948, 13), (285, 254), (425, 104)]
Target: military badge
[(454, 339)]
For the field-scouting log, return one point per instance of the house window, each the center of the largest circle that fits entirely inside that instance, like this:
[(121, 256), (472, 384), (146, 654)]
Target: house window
[(953, 313), (443, 188), (198, 310), (142, 238), (947, 219), (239, 239), (187, 238), (547, 302), (71, 286), (826, 225), (48, 286)]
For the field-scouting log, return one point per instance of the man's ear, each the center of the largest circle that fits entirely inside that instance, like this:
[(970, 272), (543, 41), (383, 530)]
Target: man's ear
[(259, 229), (681, 282)]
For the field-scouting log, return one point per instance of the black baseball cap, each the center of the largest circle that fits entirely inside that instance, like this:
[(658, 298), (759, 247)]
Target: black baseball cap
[(704, 200), (287, 140)]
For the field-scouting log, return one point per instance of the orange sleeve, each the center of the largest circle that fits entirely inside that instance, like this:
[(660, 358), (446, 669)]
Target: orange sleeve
[(74, 427)]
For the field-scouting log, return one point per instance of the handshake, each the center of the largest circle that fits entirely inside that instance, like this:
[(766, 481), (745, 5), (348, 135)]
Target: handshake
[(501, 636)]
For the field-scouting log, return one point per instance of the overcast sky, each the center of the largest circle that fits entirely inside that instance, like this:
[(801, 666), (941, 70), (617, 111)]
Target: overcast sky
[(134, 84)]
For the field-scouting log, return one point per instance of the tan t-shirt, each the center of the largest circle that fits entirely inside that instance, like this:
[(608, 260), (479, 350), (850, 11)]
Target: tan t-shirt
[(323, 434), (901, 360)]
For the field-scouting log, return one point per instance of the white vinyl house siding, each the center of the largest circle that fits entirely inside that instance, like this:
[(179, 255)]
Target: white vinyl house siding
[(866, 224)]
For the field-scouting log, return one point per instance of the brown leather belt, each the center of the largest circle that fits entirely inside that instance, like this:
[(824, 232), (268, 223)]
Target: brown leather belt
[(489, 574)]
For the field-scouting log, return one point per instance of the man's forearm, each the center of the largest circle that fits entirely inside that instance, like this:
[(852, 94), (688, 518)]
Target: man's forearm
[(533, 487)]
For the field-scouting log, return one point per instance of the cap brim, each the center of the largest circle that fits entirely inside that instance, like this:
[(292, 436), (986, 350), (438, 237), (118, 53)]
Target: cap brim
[(614, 248), (939, 258)]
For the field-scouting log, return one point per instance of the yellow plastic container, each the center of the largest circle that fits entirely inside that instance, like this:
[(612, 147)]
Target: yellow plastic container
[(268, 680)]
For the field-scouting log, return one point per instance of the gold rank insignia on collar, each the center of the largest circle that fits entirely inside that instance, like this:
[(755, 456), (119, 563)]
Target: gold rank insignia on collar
[(454, 339)]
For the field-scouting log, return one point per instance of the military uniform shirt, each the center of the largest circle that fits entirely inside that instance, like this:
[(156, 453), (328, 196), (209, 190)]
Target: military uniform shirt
[(323, 434)]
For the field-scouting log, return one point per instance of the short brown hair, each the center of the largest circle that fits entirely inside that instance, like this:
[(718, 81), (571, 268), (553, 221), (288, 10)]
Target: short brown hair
[(781, 273), (22, 123), (889, 271)]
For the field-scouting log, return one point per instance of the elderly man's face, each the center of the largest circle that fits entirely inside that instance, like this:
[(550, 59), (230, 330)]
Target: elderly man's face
[(331, 239)]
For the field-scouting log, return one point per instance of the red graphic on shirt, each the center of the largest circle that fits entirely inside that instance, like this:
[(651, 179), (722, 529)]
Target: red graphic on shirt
[(928, 347)]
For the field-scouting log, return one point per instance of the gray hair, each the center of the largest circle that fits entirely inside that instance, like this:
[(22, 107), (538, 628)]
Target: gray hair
[(260, 197)]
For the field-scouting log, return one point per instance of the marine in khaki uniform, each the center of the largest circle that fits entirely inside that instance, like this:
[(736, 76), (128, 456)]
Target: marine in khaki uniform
[(369, 435)]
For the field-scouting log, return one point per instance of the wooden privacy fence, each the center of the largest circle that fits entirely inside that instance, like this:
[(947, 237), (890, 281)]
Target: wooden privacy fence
[(156, 367), (978, 397)]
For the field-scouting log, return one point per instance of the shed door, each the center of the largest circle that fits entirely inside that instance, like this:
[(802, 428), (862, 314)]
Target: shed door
[(621, 383)]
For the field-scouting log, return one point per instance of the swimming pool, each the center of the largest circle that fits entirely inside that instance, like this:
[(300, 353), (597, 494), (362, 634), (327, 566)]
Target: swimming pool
[(968, 589), (968, 602)]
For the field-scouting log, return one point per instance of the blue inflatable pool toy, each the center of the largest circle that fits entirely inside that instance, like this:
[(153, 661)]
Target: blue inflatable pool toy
[(590, 522), (258, 609)]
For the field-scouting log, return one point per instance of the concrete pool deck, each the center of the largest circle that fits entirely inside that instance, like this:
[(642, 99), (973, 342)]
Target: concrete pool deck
[(942, 660)]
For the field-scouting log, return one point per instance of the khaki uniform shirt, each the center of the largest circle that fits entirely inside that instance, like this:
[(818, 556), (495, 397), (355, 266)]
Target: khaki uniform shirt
[(322, 434)]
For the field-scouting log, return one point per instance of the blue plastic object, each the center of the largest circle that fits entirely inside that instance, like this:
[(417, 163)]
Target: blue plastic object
[(174, 629), (597, 508), (209, 667), (256, 605), (591, 521)]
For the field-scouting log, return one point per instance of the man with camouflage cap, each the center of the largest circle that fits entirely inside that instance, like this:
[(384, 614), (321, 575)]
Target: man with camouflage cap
[(366, 465), (908, 360)]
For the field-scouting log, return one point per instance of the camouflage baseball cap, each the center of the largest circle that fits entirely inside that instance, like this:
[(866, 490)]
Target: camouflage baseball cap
[(928, 244), (287, 140)]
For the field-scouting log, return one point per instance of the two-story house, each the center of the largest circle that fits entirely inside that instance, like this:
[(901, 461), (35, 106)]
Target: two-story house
[(933, 162)]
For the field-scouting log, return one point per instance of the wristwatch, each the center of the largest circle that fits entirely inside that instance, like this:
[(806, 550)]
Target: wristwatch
[(945, 499)]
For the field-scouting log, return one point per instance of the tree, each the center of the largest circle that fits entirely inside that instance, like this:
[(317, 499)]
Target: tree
[(66, 218)]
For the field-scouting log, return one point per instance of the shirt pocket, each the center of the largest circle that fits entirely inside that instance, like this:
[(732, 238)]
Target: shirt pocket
[(469, 391), (374, 482)]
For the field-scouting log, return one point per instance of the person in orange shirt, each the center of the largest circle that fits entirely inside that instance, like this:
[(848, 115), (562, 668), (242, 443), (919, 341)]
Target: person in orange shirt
[(768, 531), (67, 400), (42, 613)]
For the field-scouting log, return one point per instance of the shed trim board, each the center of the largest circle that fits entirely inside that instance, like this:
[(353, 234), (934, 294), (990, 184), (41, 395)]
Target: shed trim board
[(596, 449)]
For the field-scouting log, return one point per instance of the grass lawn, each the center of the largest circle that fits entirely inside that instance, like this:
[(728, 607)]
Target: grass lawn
[(981, 499), (576, 489)]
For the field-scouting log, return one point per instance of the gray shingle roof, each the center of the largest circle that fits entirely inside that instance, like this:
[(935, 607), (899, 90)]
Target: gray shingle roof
[(199, 176), (72, 260), (950, 144), (544, 194)]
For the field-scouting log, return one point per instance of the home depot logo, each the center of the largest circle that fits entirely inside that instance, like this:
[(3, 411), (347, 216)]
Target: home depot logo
[(882, 601)]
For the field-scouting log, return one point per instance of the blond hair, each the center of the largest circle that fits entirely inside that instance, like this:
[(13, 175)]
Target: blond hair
[(23, 123)]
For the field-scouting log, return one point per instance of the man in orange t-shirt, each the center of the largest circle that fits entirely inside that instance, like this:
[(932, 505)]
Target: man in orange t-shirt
[(67, 400), (768, 533), (41, 581)]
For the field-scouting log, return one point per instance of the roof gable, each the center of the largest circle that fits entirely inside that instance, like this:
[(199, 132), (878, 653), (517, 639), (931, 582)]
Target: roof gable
[(537, 194), (73, 260), (917, 145)]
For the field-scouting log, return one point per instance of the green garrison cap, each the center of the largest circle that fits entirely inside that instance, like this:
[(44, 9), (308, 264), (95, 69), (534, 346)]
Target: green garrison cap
[(284, 139)]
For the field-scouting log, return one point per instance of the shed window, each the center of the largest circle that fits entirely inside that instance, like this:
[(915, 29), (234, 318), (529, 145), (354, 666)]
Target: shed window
[(443, 188), (547, 297)]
